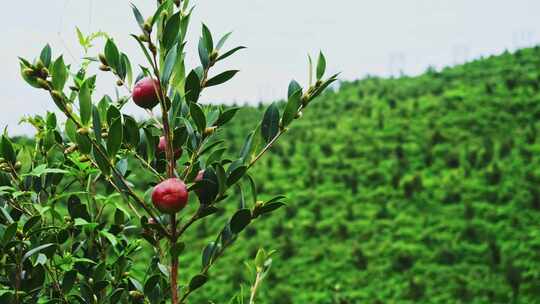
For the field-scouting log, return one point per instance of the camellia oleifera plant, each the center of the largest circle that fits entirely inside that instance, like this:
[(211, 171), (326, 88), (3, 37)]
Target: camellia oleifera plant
[(72, 219)]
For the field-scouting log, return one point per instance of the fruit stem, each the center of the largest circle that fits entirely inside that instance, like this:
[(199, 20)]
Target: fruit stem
[(171, 164)]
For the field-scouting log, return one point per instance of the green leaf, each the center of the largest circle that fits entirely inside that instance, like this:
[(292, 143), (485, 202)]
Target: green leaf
[(42, 169), (143, 48), (246, 148), (161, 8), (207, 38), (45, 56), (230, 52), (131, 131), (112, 114), (36, 250), (138, 16), (85, 102), (221, 78), (102, 162), (126, 66), (222, 41), (321, 66), (204, 56), (193, 87), (240, 220), (71, 130), (293, 87), (270, 123), (96, 123), (198, 116), (172, 31), (151, 283), (9, 233), (114, 141), (59, 74), (110, 237), (235, 175), (226, 116), (168, 66), (208, 254), (197, 281), (267, 208), (7, 150), (116, 296), (291, 109), (112, 54), (69, 280)]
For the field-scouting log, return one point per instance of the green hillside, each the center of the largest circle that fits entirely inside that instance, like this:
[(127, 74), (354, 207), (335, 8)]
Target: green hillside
[(416, 189)]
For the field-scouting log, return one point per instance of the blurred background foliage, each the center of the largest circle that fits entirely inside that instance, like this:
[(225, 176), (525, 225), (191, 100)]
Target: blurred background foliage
[(413, 189)]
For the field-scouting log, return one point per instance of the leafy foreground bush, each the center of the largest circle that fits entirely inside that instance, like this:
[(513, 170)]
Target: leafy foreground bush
[(71, 219)]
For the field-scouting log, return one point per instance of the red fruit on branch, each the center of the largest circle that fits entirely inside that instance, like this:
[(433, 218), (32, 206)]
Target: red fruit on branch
[(145, 93), (162, 146), (170, 196)]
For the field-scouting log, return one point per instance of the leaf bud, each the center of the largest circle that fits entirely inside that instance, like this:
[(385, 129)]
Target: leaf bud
[(44, 73), (299, 115), (209, 131), (39, 64), (119, 82), (143, 38), (44, 84), (136, 295), (103, 59), (57, 95), (214, 56), (83, 131), (84, 159), (104, 68), (28, 72), (147, 27), (72, 148)]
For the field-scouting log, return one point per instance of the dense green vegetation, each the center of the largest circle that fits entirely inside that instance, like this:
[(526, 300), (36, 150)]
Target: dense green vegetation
[(418, 189)]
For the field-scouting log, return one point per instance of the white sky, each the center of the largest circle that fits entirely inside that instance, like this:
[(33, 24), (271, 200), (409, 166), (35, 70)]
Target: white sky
[(359, 37)]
